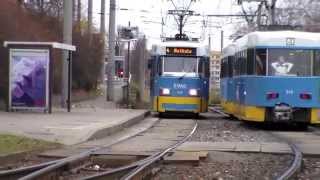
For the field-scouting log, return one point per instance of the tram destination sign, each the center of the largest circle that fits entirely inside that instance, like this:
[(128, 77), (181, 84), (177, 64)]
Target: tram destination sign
[(181, 51)]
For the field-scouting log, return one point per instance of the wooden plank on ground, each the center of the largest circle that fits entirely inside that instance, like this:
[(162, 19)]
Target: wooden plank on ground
[(182, 157)]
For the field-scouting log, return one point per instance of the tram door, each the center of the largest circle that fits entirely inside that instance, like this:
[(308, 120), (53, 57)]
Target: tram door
[(153, 73)]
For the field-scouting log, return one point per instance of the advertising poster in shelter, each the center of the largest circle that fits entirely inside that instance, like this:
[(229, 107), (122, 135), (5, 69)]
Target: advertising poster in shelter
[(29, 79)]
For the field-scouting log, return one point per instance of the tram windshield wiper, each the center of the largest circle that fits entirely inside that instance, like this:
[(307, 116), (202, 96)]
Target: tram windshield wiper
[(181, 77), (186, 72)]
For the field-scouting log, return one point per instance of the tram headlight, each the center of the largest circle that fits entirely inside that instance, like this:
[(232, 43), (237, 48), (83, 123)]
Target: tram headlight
[(164, 91), (193, 92)]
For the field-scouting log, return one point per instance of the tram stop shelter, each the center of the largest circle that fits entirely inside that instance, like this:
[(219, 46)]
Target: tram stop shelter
[(30, 84)]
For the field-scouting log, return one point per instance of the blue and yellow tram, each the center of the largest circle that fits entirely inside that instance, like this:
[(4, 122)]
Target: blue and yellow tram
[(180, 77), (273, 77)]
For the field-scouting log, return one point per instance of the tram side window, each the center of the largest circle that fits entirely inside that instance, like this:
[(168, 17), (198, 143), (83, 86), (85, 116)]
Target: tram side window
[(237, 64), (224, 68), (250, 61), (260, 64), (203, 69), (230, 66), (289, 62), (159, 69), (316, 63), (207, 67), (200, 68), (243, 66), (151, 65), (222, 75)]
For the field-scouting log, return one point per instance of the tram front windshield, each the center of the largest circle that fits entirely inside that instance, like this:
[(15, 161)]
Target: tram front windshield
[(289, 62), (177, 66)]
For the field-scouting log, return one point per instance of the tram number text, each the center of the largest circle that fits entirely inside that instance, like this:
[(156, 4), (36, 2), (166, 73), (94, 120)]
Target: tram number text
[(289, 92), (179, 86)]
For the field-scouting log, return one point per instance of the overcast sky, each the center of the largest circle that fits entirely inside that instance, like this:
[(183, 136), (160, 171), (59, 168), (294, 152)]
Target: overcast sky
[(147, 15)]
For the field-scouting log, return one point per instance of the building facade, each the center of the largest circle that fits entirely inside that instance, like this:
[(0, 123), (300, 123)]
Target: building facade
[(215, 58)]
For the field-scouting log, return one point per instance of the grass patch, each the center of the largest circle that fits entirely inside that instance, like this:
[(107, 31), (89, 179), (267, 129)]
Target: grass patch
[(13, 144)]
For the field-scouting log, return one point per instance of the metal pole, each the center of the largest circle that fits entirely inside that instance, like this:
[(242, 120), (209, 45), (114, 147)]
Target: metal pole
[(67, 38), (69, 80), (181, 24), (209, 43), (128, 76), (221, 40), (103, 34), (89, 18), (79, 12), (112, 19)]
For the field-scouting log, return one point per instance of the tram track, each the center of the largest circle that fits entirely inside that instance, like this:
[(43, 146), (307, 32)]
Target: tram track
[(136, 170), (296, 164), (58, 169), (23, 172)]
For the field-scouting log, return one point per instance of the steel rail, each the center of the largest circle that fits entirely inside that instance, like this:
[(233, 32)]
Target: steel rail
[(219, 112), (119, 169), (136, 171), (296, 163), (71, 159), (138, 166), (22, 171)]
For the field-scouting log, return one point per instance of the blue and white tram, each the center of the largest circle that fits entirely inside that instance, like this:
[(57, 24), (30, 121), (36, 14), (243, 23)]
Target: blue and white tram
[(273, 77), (180, 77)]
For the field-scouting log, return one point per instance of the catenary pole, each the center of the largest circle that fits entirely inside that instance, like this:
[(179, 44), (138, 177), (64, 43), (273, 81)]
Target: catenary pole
[(112, 19), (221, 40), (67, 38), (89, 18), (103, 34)]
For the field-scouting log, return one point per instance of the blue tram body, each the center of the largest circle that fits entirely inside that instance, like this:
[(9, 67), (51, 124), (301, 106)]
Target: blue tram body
[(258, 86), (180, 77)]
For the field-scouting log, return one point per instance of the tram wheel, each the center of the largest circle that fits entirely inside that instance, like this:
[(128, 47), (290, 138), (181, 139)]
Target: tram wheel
[(196, 115), (302, 126), (161, 114)]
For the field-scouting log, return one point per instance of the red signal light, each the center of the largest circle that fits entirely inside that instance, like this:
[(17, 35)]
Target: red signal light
[(272, 95), (305, 96)]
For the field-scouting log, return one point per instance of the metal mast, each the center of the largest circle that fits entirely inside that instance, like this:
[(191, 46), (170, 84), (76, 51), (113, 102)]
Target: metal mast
[(67, 38), (112, 19)]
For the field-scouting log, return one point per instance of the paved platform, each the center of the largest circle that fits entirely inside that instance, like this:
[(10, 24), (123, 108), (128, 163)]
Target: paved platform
[(306, 147), (69, 128)]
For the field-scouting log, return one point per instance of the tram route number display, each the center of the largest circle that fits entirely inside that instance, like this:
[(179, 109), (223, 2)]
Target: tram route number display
[(181, 51)]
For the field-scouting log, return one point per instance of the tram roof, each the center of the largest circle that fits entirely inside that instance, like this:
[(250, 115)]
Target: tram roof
[(229, 50), (279, 39), (202, 49)]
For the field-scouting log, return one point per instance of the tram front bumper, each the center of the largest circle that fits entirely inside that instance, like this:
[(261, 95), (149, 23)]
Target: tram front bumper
[(179, 104)]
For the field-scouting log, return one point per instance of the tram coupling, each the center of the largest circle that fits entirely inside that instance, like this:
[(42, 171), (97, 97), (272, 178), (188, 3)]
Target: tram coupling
[(283, 112)]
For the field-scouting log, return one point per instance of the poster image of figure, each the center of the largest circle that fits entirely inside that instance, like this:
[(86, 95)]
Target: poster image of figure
[(29, 78)]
